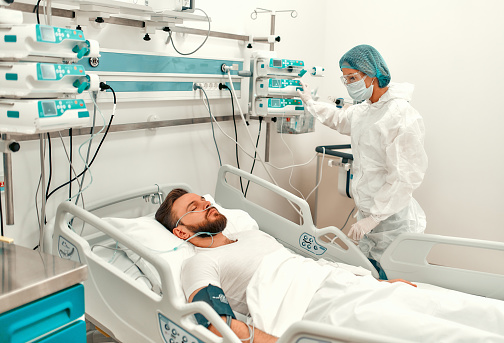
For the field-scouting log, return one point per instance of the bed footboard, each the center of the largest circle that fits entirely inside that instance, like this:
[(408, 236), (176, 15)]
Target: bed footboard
[(406, 258)]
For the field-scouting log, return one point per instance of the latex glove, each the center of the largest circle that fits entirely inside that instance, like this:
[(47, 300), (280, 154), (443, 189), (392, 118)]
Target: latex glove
[(363, 226), (306, 94)]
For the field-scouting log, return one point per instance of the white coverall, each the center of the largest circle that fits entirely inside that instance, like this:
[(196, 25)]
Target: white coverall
[(387, 139)]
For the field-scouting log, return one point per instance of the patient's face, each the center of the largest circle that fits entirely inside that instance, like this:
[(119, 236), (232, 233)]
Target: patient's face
[(211, 220)]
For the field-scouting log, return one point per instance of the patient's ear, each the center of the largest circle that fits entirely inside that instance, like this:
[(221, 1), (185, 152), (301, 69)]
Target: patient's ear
[(181, 233)]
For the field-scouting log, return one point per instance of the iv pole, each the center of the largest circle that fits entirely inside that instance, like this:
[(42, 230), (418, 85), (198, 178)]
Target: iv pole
[(253, 15)]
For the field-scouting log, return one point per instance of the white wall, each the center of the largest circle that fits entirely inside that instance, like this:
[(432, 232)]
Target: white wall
[(443, 47), (177, 154), (450, 50)]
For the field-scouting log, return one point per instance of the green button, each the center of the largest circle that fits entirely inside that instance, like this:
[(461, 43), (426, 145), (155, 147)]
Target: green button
[(12, 114), (83, 114), (11, 77), (10, 38)]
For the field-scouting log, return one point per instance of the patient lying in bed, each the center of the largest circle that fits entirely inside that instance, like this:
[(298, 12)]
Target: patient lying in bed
[(257, 276)]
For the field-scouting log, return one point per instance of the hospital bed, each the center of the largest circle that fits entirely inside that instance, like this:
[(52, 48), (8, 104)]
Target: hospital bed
[(132, 305)]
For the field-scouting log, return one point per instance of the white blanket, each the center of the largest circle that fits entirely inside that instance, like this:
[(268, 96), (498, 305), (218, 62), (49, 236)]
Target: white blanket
[(281, 289), (287, 288)]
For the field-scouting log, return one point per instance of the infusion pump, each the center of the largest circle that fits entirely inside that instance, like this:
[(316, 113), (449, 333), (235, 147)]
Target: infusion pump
[(38, 82), (274, 85)]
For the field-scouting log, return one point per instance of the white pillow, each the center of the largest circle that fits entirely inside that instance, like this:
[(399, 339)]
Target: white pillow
[(237, 220), (154, 236)]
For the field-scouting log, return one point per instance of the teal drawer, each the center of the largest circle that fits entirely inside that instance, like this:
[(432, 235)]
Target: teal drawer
[(75, 333), (32, 320)]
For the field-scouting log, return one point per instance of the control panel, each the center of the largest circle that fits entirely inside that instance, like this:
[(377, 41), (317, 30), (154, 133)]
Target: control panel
[(36, 116), (279, 67), (172, 333), (44, 80), (25, 41), (308, 242), (274, 86), (279, 107)]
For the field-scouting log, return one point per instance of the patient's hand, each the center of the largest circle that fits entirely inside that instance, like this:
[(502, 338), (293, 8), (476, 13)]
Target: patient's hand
[(400, 280)]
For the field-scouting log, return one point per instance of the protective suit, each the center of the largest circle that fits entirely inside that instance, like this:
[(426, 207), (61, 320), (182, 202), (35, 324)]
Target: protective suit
[(387, 140)]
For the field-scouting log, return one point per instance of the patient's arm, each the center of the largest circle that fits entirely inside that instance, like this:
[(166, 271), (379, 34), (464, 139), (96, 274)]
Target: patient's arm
[(241, 329)]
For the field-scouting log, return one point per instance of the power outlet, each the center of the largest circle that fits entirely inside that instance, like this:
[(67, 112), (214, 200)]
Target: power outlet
[(207, 86)]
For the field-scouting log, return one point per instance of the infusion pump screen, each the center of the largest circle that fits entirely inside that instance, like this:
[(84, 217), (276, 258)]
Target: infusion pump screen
[(47, 34)]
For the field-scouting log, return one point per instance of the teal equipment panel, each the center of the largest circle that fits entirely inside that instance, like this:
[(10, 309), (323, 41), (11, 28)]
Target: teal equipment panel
[(282, 63), (131, 66), (281, 103), (49, 71), (52, 34), (283, 83), (56, 108), (138, 63), (34, 319)]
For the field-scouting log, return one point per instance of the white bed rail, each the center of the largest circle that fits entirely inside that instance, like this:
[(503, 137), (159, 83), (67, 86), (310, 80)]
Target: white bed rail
[(313, 332), (303, 238), (406, 258), (134, 309), (153, 190)]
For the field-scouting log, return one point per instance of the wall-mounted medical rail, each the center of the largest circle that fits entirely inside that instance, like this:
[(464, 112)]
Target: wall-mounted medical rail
[(65, 13), (127, 127)]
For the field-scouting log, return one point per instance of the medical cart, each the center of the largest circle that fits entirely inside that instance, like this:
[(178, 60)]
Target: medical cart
[(41, 297)]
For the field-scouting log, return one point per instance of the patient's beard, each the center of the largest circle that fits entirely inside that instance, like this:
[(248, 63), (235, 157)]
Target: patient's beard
[(216, 226)]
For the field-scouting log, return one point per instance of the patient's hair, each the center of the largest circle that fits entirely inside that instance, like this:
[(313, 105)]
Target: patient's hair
[(164, 213)]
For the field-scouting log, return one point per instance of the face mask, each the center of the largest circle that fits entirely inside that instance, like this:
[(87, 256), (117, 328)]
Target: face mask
[(358, 90)]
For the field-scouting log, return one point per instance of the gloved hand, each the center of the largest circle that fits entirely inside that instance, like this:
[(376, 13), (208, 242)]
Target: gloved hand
[(363, 226), (305, 95)]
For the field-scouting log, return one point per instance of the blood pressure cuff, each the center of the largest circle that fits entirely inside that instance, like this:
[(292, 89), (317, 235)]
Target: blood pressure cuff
[(213, 296)]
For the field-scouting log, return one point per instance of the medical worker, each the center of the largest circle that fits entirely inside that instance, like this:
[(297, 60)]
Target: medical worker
[(387, 138)]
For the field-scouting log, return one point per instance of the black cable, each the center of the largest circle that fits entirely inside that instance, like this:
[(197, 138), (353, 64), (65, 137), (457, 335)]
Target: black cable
[(348, 218), (255, 154), (89, 165), (36, 10), (70, 135), (211, 122), (235, 129), (50, 166), (102, 86)]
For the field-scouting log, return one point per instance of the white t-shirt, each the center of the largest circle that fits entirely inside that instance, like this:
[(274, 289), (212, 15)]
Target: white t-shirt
[(229, 267)]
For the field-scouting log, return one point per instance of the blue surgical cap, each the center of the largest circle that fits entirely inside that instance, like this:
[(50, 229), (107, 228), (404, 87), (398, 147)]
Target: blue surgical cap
[(368, 60)]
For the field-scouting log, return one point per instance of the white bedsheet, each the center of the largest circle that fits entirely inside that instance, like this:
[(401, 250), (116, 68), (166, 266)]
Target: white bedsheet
[(288, 288), (281, 289), (420, 314)]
